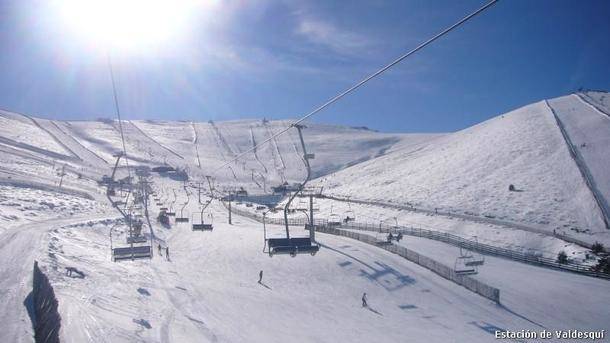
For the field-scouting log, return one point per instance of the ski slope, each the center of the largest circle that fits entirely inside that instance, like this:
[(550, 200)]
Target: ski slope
[(469, 172), (208, 290)]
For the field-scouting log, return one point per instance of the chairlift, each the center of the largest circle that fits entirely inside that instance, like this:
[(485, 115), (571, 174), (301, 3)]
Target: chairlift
[(132, 252), (302, 205), (382, 238), (171, 211), (182, 218), (334, 220), (477, 258), (463, 263), (293, 246), (397, 236), (163, 218), (201, 225), (350, 215)]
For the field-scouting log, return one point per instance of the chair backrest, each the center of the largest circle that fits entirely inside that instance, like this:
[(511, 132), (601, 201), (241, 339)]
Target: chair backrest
[(301, 241), (143, 249), (278, 242)]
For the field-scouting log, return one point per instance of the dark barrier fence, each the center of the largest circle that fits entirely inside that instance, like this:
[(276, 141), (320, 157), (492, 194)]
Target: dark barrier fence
[(445, 237), (47, 321)]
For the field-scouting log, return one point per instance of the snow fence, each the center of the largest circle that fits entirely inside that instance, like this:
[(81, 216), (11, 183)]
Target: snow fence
[(46, 317), (448, 273)]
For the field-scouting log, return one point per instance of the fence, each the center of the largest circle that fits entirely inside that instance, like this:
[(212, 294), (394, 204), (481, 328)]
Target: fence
[(46, 317), (479, 247), (479, 218), (442, 237), (444, 271)]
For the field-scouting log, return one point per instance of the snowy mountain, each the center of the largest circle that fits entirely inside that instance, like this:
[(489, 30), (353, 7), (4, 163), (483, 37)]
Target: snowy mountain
[(53, 210), (469, 172)]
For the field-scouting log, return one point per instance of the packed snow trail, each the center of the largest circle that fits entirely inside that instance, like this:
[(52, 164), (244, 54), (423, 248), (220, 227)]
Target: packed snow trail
[(40, 123), (35, 149), (278, 162), (222, 144), (254, 150), (19, 247), (221, 140), (74, 146), (154, 140), (195, 139)]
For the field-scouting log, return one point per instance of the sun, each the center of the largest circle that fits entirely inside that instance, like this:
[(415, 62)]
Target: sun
[(127, 25)]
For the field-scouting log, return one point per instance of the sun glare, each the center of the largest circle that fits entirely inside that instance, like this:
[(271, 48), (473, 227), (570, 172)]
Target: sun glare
[(127, 25)]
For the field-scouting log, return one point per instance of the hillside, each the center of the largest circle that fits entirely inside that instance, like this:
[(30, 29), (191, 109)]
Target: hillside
[(52, 210), (469, 172)]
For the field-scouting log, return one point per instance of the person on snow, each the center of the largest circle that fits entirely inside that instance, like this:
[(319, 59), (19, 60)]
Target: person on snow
[(260, 277), (364, 304), (167, 253), (159, 246)]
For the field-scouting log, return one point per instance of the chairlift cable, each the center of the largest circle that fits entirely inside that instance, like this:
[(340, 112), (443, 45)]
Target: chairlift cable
[(362, 82), (118, 111)]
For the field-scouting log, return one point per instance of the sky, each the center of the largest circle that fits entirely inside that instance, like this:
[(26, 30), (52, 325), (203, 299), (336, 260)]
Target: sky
[(226, 60)]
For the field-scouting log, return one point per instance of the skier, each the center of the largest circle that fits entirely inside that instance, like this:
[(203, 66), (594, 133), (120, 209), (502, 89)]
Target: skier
[(260, 277), (159, 246), (364, 304), (167, 253)]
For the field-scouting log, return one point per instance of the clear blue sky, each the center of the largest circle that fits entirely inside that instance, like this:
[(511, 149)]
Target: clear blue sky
[(279, 59)]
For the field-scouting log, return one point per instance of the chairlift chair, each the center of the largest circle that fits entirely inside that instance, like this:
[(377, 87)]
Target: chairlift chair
[(463, 263), (334, 220), (381, 238), (132, 252), (396, 236), (302, 205), (350, 215), (182, 218), (201, 225), (294, 246), (476, 259), (171, 211), (461, 266)]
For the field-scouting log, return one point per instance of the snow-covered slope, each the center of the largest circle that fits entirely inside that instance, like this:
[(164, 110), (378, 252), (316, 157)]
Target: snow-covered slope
[(469, 172), (53, 211)]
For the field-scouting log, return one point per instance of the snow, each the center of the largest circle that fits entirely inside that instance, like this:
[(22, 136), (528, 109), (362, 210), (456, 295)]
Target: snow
[(588, 130), (16, 128), (468, 172), (208, 291)]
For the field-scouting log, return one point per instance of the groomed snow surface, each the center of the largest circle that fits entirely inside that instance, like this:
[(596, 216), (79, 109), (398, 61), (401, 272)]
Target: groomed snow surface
[(53, 211)]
